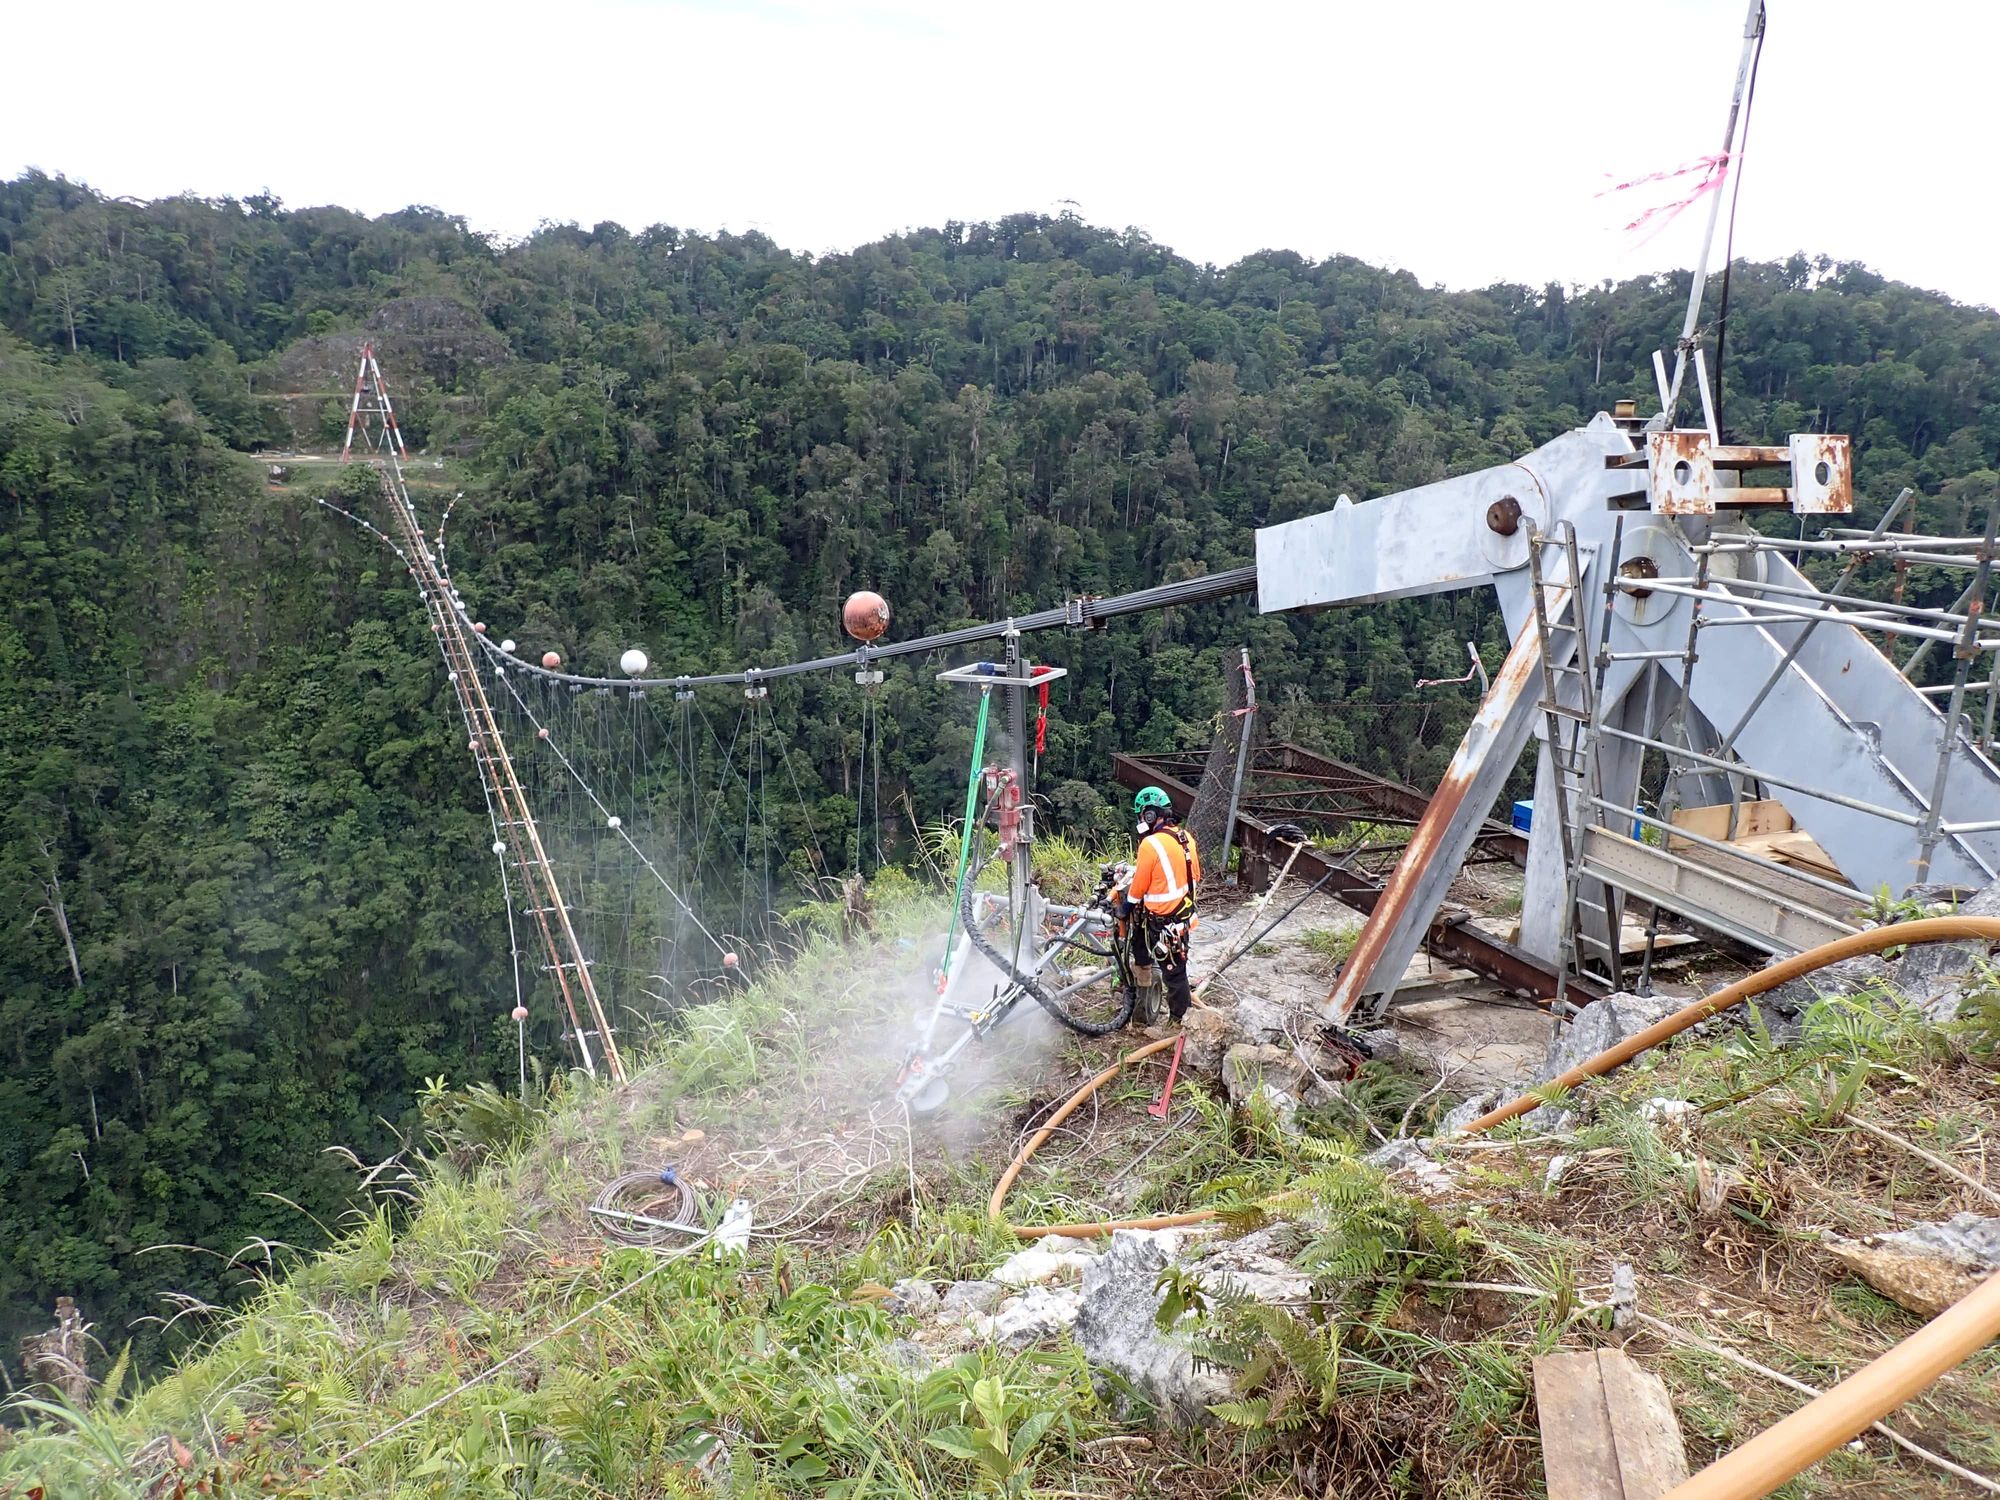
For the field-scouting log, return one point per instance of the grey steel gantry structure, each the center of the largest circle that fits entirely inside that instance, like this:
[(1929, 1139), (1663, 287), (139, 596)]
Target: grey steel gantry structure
[(1647, 616)]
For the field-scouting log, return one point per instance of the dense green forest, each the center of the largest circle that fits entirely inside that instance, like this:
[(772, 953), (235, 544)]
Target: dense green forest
[(248, 902)]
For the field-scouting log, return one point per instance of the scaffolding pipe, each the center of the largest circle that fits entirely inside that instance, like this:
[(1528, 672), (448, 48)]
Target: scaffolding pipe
[(1874, 940), (1850, 1408), (1908, 547), (1861, 604), (1859, 619), (1777, 674), (1242, 762), (1736, 851), (1909, 668), (1930, 832), (1737, 768)]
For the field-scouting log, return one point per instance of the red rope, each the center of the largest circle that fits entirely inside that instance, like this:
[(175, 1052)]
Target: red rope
[(1042, 718)]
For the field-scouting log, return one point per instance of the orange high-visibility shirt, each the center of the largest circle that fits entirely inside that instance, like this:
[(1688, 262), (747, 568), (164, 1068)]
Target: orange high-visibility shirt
[(1164, 877)]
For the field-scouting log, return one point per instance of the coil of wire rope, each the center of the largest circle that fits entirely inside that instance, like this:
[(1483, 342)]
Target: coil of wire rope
[(646, 1208)]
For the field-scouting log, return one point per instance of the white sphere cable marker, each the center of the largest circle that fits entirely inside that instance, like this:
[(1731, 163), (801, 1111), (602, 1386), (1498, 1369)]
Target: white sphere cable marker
[(615, 822), (508, 646), (499, 847), (633, 662)]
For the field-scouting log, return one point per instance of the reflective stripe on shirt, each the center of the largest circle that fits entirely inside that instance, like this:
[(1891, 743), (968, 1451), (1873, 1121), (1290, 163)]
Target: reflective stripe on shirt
[(1171, 891)]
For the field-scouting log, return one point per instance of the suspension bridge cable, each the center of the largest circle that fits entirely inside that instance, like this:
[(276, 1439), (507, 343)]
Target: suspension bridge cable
[(728, 754), (877, 794), (1077, 613), (861, 786), (812, 831)]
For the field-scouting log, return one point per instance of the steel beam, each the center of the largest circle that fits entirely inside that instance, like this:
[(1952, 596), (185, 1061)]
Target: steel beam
[(1754, 907), (1393, 797)]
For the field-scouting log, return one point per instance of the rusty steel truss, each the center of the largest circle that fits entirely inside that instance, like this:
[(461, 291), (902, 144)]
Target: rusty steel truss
[(1449, 935)]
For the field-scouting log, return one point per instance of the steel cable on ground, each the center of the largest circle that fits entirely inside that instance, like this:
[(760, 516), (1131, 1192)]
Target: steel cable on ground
[(633, 1232)]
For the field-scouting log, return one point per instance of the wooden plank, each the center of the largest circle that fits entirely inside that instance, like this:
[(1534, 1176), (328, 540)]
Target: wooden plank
[(1651, 1458), (1579, 1454), (1801, 849), (1752, 819), (1796, 848), (1608, 1428), (1632, 940)]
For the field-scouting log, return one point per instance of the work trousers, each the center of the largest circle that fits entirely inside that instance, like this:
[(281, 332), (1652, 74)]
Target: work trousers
[(1172, 960)]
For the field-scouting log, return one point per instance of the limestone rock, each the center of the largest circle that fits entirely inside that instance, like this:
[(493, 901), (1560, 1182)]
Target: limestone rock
[(1783, 1009), (1038, 1313), (1115, 1327), (1928, 1266), (905, 1355), (1046, 1259), (911, 1299), (1381, 1043), (1934, 975), (1624, 1295), (1673, 1120), (1209, 1032), (1260, 1020), (1253, 1266), (1407, 1157), (964, 1299), (1601, 1026), (1462, 1115), (1249, 1066)]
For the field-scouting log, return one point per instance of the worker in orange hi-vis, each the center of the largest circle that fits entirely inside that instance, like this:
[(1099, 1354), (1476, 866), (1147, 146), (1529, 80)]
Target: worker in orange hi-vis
[(1165, 878)]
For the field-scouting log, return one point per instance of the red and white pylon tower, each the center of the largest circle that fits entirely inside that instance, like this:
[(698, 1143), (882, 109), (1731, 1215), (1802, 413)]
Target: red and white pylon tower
[(372, 415)]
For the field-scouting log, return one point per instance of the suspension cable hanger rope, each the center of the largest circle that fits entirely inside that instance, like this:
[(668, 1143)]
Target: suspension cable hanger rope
[(566, 960)]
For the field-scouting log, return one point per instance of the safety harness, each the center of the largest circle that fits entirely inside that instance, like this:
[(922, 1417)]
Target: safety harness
[(1171, 932)]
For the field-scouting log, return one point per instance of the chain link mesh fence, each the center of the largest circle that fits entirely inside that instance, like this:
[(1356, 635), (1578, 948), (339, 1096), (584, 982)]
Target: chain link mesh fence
[(1235, 736)]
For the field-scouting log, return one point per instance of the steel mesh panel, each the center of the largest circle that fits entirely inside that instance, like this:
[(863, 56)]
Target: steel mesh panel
[(1218, 777)]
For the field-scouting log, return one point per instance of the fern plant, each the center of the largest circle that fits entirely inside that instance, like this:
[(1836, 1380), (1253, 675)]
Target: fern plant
[(1365, 1246)]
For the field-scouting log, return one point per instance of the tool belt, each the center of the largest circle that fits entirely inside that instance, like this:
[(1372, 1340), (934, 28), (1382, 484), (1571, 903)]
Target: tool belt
[(1168, 937)]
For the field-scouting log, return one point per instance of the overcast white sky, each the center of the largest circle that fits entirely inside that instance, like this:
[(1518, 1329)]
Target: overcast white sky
[(1466, 141)]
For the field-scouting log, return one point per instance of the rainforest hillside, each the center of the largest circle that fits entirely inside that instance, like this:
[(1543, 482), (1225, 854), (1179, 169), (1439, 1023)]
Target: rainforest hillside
[(248, 903)]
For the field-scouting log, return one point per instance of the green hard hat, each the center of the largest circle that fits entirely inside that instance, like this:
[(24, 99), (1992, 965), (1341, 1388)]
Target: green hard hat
[(1150, 796)]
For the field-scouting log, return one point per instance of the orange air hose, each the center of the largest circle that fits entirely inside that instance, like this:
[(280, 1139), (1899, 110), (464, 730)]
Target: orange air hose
[(1874, 940), (1815, 1429), (1049, 1128), (1866, 1396)]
